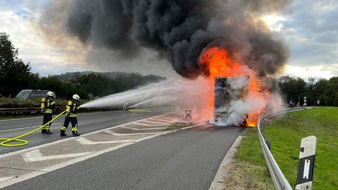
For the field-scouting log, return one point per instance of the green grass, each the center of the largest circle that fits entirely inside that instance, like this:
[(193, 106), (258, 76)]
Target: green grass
[(286, 133), (250, 158), (177, 125)]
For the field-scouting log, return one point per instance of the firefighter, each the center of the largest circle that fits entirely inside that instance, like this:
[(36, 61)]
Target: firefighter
[(125, 106), (47, 106), (71, 110)]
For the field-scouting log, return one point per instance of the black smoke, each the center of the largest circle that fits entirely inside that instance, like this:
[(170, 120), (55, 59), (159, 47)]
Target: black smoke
[(180, 29)]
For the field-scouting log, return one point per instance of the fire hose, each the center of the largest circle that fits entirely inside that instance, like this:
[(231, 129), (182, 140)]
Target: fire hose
[(5, 141)]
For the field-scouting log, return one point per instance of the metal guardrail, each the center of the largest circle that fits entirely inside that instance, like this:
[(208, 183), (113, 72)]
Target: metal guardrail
[(35, 110), (277, 176), (20, 110)]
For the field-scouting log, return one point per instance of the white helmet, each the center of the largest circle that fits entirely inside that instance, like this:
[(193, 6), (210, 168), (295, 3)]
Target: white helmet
[(50, 93), (76, 97)]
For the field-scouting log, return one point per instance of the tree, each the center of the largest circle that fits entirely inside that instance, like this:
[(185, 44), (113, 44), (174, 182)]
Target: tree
[(14, 74), (293, 89)]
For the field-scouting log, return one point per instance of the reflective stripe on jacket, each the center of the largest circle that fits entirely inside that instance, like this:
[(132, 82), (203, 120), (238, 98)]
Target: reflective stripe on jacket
[(50, 104), (72, 108)]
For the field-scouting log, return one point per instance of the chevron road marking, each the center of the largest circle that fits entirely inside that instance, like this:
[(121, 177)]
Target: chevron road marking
[(163, 117), (6, 178), (157, 121), (128, 134), (162, 120), (83, 140), (150, 125), (136, 129), (36, 155)]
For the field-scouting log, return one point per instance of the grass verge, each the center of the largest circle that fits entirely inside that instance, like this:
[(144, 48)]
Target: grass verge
[(286, 134), (177, 125), (249, 171)]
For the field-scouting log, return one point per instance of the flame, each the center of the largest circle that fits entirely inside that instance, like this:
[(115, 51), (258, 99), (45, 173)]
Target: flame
[(219, 64)]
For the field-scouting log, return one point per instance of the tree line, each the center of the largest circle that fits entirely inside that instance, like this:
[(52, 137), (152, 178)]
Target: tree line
[(317, 92), (16, 75)]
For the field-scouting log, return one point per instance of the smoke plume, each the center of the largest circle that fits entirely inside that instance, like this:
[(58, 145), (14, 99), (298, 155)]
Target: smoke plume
[(177, 30)]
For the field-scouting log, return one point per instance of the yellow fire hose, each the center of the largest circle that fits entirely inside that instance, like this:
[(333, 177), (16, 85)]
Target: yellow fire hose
[(5, 141)]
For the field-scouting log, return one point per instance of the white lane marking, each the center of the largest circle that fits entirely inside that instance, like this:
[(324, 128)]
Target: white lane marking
[(162, 120), (83, 140), (36, 155), (157, 122), (164, 117), (154, 128), (6, 178), (150, 125), (78, 159), (17, 129), (128, 134), (68, 139)]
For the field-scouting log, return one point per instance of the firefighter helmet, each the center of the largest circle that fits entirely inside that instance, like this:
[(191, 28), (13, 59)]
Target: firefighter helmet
[(50, 93), (76, 97)]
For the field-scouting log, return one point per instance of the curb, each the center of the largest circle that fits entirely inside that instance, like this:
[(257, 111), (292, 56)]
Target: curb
[(218, 182)]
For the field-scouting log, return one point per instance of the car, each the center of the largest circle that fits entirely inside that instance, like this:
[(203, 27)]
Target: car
[(32, 93)]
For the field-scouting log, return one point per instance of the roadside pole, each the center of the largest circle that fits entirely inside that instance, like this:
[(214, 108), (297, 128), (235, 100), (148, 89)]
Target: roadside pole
[(306, 163)]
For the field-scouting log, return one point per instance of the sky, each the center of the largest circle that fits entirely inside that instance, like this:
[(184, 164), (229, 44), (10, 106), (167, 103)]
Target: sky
[(308, 28)]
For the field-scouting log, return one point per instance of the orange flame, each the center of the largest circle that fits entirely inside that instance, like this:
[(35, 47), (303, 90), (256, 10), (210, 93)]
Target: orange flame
[(219, 64)]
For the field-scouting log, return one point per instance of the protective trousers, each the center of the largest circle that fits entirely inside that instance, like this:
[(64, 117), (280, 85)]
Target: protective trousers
[(46, 118), (68, 120)]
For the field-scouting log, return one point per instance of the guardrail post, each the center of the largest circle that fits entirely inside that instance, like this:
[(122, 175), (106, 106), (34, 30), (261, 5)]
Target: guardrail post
[(268, 143), (306, 163)]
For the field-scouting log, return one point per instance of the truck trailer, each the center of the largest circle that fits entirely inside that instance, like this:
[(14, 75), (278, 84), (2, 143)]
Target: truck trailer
[(228, 90)]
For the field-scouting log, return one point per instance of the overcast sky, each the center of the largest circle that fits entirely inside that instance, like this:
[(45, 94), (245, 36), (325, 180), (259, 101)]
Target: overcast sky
[(309, 28)]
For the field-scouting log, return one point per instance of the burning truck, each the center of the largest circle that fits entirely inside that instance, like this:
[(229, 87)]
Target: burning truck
[(225, 95), (231, 96), (239, 97)]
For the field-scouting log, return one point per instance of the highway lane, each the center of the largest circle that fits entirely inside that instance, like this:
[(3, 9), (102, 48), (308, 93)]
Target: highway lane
[(186, 159), (88, 122)]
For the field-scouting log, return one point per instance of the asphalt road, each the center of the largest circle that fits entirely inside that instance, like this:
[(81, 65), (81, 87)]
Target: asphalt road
[(185, 159), (88, 122)]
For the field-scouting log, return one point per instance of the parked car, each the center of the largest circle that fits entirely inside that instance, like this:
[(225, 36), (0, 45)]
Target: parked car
[(31, 93)]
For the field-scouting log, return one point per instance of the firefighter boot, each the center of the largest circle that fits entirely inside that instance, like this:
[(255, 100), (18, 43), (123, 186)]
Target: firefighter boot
[(43, 131), (48, 131), (75, 133), (63, 133)]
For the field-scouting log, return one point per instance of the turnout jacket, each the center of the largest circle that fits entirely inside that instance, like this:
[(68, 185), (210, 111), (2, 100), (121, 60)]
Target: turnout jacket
[(72, 107), (50, 105)]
